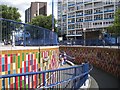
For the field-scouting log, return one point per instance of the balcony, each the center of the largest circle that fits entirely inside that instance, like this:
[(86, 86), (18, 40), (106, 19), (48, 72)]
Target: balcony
[(71, 5), (79, 2), (88, 1), (88, 14), (71, 22), (109, 18), (79, 15), (79, 21), (98, 19), (71, 16), (98, 12), (71, 28), (109, 11), (88, 20)]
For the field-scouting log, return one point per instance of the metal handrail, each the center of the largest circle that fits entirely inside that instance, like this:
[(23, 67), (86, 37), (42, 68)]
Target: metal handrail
[(39, 72), (70, 79), (45, 81)]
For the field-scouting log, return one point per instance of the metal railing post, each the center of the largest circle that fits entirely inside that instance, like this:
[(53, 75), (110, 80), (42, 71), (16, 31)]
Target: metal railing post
[(44, 80), (85, 69), (24, 42), (75, 79)]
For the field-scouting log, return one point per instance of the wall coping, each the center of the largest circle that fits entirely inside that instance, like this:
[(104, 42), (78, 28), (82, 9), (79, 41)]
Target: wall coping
[(110, 47), (2, 48)]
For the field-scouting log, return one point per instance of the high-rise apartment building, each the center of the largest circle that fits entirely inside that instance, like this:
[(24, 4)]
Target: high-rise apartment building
[(36, 9), (76, 17)]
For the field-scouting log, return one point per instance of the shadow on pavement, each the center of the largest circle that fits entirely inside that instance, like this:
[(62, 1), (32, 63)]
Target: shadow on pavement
[(105, 80)]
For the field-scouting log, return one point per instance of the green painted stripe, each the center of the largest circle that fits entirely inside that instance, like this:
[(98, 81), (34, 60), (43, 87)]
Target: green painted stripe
[(18, 61), (18, 81), (22, 83), (14, 58), (36, 55), (39, 57), (27, 86)]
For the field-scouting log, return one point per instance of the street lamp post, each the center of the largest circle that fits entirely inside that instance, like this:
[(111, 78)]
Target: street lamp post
[(84, 29), (53, 15)]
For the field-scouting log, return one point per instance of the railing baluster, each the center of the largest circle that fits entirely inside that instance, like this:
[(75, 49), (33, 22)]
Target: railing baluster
[(24, 81), (3, 83), (15, 83), (28, 81), (32, 81), (44, 79), (21, 82), (75, 79), (57, 79), (36, 80)]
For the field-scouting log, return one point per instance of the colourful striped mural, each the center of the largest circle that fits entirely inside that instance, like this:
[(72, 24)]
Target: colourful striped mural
[(22, 61)]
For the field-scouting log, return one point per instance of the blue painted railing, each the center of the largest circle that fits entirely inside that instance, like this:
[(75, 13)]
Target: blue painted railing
[(19, 33), (70, 77)]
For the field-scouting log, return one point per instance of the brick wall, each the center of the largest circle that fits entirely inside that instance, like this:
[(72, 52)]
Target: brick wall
[(107, 59)]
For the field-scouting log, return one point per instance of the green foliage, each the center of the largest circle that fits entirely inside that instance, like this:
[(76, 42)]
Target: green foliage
[(115, 28), (44, 21), (10, 13)]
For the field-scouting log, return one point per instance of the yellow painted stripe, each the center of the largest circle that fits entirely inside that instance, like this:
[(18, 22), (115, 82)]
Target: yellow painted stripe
[(6, 83), (0, 84)]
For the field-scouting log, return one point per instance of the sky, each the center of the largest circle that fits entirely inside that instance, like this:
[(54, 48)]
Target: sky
[(22, 5)]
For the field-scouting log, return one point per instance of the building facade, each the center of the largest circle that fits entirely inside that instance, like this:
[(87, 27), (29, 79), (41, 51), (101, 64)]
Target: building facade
[(36, 9), (76, 17)]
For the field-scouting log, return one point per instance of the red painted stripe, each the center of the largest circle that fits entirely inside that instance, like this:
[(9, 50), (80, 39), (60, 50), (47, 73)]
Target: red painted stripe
[(11, 86), (24, 66), (35, 65), (20, 70), (28, 57), (20, 81), (0, 60), (28, 66), (17, 86), (35, 77), (6, 59), (0, 68), (5, 67), (16, 78)]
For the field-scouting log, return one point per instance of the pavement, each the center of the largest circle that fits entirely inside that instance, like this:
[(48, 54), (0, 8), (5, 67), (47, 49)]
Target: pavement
[(104, 79)]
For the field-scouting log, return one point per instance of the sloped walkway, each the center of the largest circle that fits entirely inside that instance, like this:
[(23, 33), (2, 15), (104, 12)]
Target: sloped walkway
[(105, 80), (92, 82)]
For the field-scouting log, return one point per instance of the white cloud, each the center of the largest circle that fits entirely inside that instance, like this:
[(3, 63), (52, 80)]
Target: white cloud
[(22, 5)]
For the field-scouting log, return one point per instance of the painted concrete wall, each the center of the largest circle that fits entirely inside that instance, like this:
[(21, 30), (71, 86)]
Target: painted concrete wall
[(24, 60), (107, 59)]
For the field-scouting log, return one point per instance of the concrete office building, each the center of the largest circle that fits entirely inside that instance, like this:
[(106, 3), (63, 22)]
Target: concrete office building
[(36, 9), (76, 17)]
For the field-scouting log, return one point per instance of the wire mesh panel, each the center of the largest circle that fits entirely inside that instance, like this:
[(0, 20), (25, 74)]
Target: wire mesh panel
[(16, 33)]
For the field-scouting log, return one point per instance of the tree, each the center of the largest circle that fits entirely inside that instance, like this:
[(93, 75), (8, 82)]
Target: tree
[(44, 21), (115, 28), (10, 13), (7, 27)]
